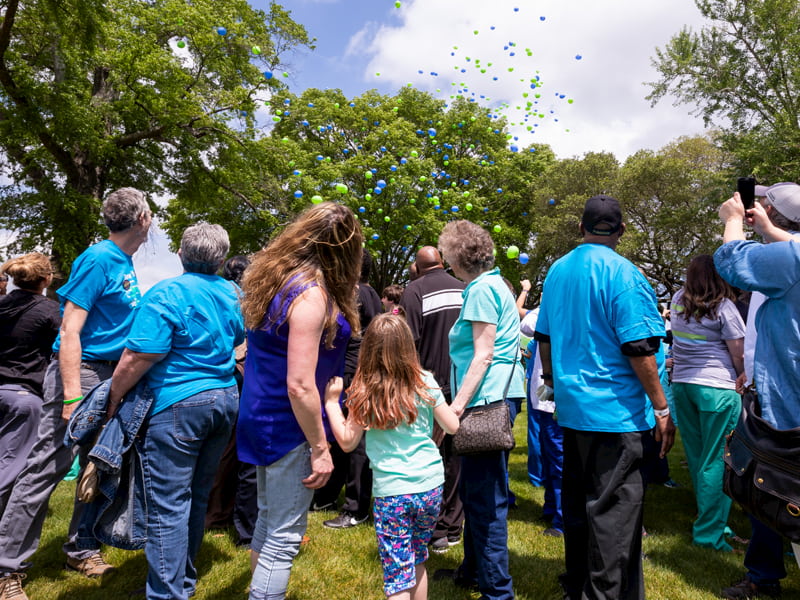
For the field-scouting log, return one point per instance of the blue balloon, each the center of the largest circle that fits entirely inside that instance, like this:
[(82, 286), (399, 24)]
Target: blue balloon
[(375, 236), (499, 190), (551, 202), (268, 74), (403, 161), (378, 190), (393, 168), (320, 157), (298, 194), (361, 209), (523, 258), (514, 148), (222, 31), (454, 209), (432, 132), (380, 183)]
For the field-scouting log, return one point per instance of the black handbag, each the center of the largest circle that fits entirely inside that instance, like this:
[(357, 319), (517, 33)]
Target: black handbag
[(486, 428), (762, 470)]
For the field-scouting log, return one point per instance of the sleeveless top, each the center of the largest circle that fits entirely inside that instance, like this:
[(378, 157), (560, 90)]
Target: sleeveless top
[(267, 429)]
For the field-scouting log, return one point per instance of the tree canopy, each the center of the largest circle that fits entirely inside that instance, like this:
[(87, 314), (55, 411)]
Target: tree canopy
[(100, 94), (742, 74)]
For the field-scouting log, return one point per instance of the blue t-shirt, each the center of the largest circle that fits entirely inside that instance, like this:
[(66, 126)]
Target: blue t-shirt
[(593, 301), (773, 270), (196, 321), (103, 283), (404, 460), (487, 299)]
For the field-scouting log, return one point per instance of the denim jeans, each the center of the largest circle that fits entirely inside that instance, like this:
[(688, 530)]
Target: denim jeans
[(283, 503), (484, 492), (764, 557), (180, 453), (551, 440)]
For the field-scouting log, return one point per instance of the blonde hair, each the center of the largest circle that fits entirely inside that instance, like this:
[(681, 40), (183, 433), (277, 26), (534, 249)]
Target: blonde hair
[(388, 377), (323, 246), (29, 271)]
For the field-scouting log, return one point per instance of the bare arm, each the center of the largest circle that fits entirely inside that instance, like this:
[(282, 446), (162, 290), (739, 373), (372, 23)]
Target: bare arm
[(732, 214), (306, 324), (347, 432), (523, 296), (483, 335), (69, 354), (646, 370), (761, 223), (446, 418), (131, 368), (736, 350)]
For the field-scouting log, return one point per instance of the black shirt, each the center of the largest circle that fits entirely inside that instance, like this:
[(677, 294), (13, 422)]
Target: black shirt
[(29, 324)]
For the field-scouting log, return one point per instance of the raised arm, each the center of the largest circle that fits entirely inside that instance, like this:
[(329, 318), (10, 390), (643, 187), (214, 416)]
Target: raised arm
[(346, 431)]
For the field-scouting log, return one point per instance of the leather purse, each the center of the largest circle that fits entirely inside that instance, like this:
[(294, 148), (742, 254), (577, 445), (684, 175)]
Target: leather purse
[(762, 470), (486, 428)]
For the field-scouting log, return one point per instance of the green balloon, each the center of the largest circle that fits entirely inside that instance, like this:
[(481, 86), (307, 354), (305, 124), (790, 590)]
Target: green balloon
[(412, 200), (368, 175), (423, 178), (341, 188), (414, 153), (387, 218), (497, 228), (316, 199), (468, 206), (367, 197), (512, 252)]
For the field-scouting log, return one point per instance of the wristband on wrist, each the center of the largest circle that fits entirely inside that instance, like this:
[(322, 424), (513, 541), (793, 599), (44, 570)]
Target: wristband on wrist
[(74, 400), (664, 412)]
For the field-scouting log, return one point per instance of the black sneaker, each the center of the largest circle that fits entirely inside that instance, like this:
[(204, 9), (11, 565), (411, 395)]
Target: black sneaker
[(746, 589), (344, 521), (452, 575), (442, 545), (320, 507)]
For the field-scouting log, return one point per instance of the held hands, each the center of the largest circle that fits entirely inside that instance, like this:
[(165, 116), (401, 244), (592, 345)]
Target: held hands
[(526, 285)]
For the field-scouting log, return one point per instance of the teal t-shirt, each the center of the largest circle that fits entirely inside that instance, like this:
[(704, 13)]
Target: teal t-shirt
[(404, 460), (103, 283), (593, 301), (487, 299), (196, 321)]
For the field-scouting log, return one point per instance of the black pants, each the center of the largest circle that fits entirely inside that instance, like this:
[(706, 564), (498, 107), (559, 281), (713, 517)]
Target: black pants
[(352, 471), (451, 515), (603, 501)]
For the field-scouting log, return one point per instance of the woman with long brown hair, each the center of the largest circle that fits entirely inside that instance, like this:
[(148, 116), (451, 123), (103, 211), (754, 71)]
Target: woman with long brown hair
[(708, 352), (299, 308), (395, 402)]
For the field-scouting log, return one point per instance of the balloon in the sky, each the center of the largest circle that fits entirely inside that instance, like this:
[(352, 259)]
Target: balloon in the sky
[(578, 57), (317, 199), (268, 74), (361, 209), (181, 44), (512, 252), (468, 206), (256, 50), (523, 259), (398, 4), (514, 148), (222, 31), (380, 183), (368, 174), (552, 201), (497, 228), (341, 188), (454, 209), (298, 194)]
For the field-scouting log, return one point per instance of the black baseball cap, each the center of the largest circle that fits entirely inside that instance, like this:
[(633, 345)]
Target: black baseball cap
[(602, 215)]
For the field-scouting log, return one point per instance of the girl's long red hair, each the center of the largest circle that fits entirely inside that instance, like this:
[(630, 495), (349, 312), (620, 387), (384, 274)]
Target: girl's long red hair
[(388, 378)]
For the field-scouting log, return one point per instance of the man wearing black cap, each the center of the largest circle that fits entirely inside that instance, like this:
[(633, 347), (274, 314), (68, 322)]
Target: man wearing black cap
[(598, 332)]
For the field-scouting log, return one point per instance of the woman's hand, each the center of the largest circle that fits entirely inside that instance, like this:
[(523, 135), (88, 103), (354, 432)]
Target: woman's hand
[(321, 468)]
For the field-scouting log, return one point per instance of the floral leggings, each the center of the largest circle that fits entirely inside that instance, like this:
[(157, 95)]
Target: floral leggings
[(404, 525)]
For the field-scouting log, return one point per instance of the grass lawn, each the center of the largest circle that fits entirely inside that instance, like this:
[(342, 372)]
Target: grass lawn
[(343, 565)]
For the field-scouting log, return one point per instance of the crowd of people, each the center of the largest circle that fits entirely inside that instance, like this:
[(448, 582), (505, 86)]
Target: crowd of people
[(257, 396)]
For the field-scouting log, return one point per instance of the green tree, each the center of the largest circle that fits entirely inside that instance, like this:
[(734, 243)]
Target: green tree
[(742, 74), (405, 164), (96, 95)]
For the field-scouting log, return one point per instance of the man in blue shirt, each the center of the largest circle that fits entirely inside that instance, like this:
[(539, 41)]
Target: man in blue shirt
[(97, 303), (598, 332), (772, 269)]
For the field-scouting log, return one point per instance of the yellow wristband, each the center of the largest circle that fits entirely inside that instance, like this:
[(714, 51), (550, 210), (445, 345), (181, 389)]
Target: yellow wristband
[(74, 400)]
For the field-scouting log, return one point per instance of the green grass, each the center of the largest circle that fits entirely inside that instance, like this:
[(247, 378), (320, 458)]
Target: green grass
[(343, 565)]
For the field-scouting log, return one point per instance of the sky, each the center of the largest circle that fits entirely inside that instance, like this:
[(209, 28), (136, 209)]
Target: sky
[(595, 53)]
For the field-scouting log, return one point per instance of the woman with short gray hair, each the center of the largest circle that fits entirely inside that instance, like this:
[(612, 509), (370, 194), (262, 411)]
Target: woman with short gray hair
[(182, 342)]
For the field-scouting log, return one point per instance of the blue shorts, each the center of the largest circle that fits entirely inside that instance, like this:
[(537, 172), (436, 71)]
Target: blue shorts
[(404, 525)]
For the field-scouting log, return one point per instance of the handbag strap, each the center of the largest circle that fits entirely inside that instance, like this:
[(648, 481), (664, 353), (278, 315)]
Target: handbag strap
[(508, 383)]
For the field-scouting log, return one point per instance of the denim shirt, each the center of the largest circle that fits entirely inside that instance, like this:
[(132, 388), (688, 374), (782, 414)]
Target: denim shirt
[(118, 516)]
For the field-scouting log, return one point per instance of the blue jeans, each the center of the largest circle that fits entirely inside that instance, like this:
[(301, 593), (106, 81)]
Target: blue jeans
[(764, 557), (535, 450), (283, 503), (180, 452), (484, 492)]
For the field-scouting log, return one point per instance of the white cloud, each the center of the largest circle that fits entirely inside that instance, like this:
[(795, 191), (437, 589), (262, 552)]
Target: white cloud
[(615, 39)]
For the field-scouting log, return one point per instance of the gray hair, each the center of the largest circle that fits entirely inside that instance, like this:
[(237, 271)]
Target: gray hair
[(468, 246), (779, 219), (122, 208), (203, 248)]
